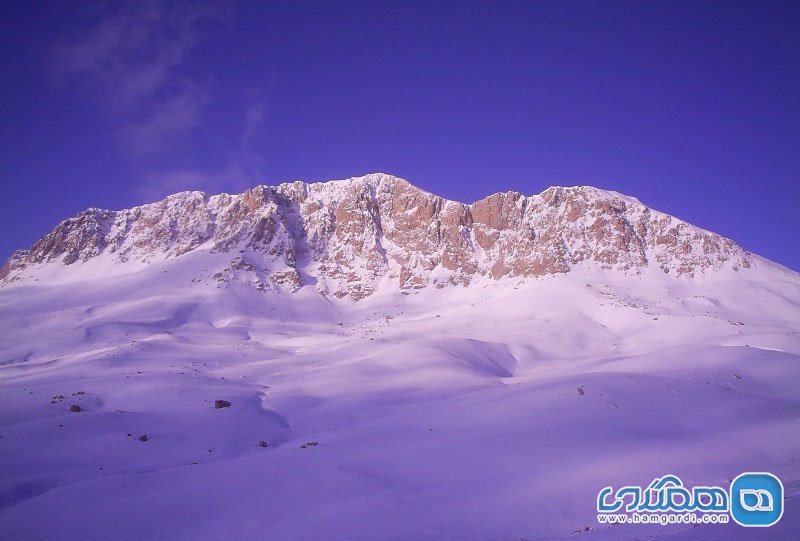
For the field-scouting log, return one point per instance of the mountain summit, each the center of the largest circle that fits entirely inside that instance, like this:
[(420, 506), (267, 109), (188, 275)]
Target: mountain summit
[(347, 237), (415, 368)]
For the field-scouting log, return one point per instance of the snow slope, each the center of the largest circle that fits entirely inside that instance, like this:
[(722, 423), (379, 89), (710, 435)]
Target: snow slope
[(490, 412)]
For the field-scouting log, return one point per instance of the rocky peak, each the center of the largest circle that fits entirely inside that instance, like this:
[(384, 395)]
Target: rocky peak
[(346, 237)]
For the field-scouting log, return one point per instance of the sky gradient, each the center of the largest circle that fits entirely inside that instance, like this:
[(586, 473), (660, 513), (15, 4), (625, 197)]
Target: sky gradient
[(694, 108)]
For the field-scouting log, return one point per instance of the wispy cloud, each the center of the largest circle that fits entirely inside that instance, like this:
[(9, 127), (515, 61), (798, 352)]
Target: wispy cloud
[(246, 164), (243, 169), (135, 52), (166, 121)]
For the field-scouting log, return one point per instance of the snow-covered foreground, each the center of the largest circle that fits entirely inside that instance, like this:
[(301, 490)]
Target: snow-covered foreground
[(496, 411)]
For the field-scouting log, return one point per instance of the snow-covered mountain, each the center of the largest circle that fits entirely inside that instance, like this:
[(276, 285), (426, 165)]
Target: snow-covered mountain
[(395, 366), (348, 237)]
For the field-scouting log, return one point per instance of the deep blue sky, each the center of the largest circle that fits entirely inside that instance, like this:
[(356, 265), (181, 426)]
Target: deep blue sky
[(692, 107)]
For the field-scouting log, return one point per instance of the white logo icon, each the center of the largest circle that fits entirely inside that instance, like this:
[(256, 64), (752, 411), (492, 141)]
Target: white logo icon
[(762, 497)]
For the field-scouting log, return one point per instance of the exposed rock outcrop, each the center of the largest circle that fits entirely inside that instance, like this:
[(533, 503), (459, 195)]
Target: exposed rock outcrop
[(347, 237)]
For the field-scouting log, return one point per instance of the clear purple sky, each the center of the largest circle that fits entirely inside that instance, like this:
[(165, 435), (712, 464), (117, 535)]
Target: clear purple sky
[(692, 107)]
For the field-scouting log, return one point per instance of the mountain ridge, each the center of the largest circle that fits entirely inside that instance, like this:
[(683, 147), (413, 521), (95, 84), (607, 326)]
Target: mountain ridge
[(345, 237), (398, 402)]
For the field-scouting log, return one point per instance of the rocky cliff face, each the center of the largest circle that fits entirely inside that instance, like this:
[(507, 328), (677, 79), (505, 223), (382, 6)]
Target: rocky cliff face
[(347, 237)]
